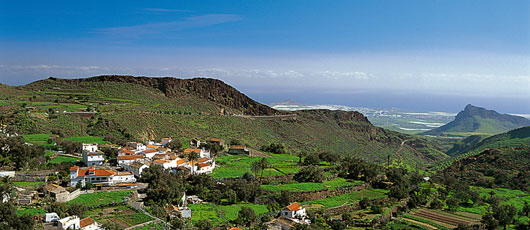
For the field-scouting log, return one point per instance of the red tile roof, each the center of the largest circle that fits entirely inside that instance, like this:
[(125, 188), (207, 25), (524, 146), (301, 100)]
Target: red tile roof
[(130, 157), (161, 161), (74, 168), (124, 173), (213, 139), (97, 172), (126, 151), (192, 150), (98, 153), (203, 159), (238, 147), (150, 151), (203, 165), (86, 222), (294, 206)]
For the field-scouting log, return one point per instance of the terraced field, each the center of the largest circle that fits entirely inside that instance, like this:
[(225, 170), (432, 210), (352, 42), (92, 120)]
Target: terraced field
[(443, 218)]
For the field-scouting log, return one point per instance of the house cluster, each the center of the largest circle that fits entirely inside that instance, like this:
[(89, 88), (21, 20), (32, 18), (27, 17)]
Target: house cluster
[(290, 216), (135, 157), (53, 221)]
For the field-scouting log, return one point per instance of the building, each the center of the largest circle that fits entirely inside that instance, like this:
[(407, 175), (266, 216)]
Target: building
[(166, 141), (239, 149), (95, 176), (90, 148), (195, 143), (51, 217), (93, 158), (149, 153), (71, 222), (137, 146), (129, 159), (218, 141), (89, 224), (201, 153), (294, 211), (136, 168)]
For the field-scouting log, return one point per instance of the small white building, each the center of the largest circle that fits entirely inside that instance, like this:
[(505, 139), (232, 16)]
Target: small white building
[(201, 153), (93, 158), (166, 141), (137, 146), (294, 211), (71, 222), (51, 217), (124, 177), (129, 159), (136, 168), (90, 147), (95, 176)]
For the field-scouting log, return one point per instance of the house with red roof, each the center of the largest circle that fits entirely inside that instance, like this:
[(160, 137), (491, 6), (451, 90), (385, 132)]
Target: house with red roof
[(89, 224), (294, 211), (104, 177), (129, 159)]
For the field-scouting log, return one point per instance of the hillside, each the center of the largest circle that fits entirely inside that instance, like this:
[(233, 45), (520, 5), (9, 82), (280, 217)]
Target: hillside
[(474, 145), (141, 108), (504, 167), (479, 121)]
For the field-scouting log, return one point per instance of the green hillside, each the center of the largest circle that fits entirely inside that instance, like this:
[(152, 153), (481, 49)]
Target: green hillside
[(513, 139), (149, 108), (479, 121)]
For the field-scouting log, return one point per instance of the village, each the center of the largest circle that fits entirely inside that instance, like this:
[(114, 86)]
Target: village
[(96, 173)]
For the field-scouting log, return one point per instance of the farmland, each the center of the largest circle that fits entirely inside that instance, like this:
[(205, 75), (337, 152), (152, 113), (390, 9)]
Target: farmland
[(122, 215), (99, 198), (311, 186), (88, 139), (237, 165), (348, 198), (222, 213), (61, 159)]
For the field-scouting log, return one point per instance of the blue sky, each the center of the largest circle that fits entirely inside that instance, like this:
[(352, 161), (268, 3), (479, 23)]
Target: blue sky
[(472, 50)]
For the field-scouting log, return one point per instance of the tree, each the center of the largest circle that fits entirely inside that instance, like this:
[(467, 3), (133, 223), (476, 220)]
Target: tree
[(312, 159), (175, 145), (489, 221), (309, 174), (452, 203), (235, 142), (504, 214), (331, 157), (204, 225), (259, 166), (246, 216), (273, 148)]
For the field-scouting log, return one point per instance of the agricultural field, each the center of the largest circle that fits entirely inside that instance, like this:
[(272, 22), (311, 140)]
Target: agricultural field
[(152, 226), (28, 184), (100, 198), (39, 139), (348, 198), (310, 186), (238, 165), (219, 214), (122, 215), (61, 159), (440, 219)]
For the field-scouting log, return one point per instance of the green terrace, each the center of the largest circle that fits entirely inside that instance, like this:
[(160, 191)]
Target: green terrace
[(219, 214), (311, 186), (238, 165)]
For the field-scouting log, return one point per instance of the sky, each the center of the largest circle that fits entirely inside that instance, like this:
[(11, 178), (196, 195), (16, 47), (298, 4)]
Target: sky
[(420, 55)]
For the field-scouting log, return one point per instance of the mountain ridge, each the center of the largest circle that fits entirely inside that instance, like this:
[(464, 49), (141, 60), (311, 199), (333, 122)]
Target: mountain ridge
[(479, 120)]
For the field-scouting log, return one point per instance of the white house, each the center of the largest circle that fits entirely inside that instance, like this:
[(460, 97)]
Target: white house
[(149, 153), (136, 168), (99, 176), (51, 217), (201, 153), (294, 211), (137, 146), (129, 159), (90, 147), (124, 177), (165, 141), (71, 222), (93, 158)]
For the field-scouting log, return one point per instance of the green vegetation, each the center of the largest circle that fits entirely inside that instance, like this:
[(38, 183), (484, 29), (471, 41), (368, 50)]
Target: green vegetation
[(347, 198), (222, 213), (38, 139), (28, 184), (87, 139), (61, 159), (99, 198), (310, 186), (237, 165), (30, 211)]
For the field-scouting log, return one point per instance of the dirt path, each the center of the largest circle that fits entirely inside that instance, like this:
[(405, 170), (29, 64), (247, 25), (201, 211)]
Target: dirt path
[(419, 223), (401, 148)]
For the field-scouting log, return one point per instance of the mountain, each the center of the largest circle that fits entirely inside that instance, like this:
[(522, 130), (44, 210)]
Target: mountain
[(142, 108), (479, 121)]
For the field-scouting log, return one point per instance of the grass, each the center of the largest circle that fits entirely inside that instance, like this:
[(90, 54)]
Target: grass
[(99, 198), (223, 213), (61, 159), (30, 211), (134, 219), (38, 139), (309, 186), (238, 165), (152, 226), (88, 139), (28, 184), (348, 198)]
